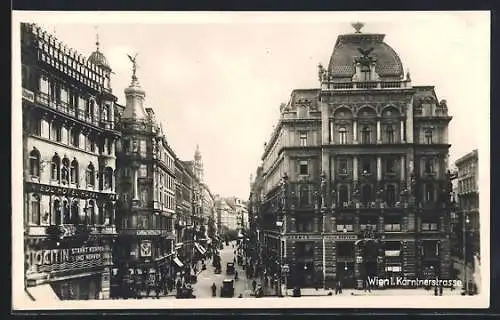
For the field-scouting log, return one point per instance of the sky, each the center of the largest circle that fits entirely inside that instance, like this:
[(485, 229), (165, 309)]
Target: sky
[(217, 79)]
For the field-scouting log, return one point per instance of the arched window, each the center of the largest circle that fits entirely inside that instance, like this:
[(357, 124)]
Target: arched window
[(74, 171), (389, 132), (428, 136), (35, 209), (429, 192), (365, 135), (55, 172), (390, 195), (342, 135), (366, 193), (75, 212), (108, 178), (34, 163), (67, 213), (57, 212), (90, 175), (65, 170), (343, 196)]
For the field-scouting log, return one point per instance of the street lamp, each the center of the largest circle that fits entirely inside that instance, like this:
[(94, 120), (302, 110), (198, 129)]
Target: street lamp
[(466, 221), (279, 224)]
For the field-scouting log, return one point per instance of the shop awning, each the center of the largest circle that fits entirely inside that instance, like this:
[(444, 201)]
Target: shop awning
[(200, 248), (178, 262), (43, 293)]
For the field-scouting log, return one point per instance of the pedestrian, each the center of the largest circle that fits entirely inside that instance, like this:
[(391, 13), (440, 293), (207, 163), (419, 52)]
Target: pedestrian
[(214, 290), (436, 290), (338, 286), (254, 285), (158, 289), (236, 275), (441, 289)]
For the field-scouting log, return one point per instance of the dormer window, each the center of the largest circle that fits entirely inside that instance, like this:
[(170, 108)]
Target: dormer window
[(365, 73)]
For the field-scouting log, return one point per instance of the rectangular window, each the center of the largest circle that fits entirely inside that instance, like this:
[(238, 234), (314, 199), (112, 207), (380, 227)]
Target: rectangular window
[(142, 147), (56, 133), (64, 95), (75, 138), (342, 166), (390, 165), (303, 168), (303, 139), (143, 171), (429, 166), (365, 166)]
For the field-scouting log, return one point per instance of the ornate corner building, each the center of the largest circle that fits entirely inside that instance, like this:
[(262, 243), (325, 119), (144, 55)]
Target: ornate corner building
[(147, 186), (69, 138), (356, 171)]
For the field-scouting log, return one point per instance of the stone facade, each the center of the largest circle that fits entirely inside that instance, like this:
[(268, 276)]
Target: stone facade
[(69, 138), (358, 169)]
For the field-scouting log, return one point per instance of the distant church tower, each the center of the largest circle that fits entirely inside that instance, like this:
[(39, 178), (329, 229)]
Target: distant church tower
[(198, 164)]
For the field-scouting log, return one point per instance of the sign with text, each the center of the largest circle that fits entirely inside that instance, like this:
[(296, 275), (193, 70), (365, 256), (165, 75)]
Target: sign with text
[(338, 237), (66, 258)]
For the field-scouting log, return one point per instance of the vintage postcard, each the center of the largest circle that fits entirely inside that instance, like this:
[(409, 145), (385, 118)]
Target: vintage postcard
[(285, 160)]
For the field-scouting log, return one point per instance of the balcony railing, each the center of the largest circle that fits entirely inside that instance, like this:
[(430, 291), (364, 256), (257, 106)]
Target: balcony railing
[(327, 85), (65, 108)]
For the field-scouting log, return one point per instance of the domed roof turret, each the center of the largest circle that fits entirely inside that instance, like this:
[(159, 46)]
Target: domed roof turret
[(349, 47), (98, 58)]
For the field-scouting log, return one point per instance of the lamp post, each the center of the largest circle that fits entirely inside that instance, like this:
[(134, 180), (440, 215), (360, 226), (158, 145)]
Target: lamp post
[(466, 221), (279, 224)]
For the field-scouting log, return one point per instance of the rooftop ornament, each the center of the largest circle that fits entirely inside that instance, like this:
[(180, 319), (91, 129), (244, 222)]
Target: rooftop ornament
[(357, 26)]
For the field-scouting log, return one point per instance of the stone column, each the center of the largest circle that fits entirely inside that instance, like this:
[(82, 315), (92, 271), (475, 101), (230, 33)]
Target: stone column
[(379, 168), (355, 131), (324, 123), (378, 132), (402, 131), (402, 168), (134, 177), (355, 168), (332, 136), (409, 122)]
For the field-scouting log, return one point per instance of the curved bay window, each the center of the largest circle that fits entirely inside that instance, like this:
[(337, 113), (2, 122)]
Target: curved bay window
[(65, 171), (55, 172), (343, 196), (34, 163), (35, 209), (108, 178), (390, 195), (57, 212), (342, 135), (74, 172), (366, 195), (366, 135), (90, 175)]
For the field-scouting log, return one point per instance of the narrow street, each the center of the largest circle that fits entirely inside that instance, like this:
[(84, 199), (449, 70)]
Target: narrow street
[(202, 289)]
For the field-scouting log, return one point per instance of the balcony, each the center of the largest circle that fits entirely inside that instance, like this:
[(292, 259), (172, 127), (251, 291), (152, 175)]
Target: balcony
[(64, 108), (367, 85)]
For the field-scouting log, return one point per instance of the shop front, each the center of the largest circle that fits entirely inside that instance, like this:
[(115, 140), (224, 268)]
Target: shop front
[(68, 272)]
